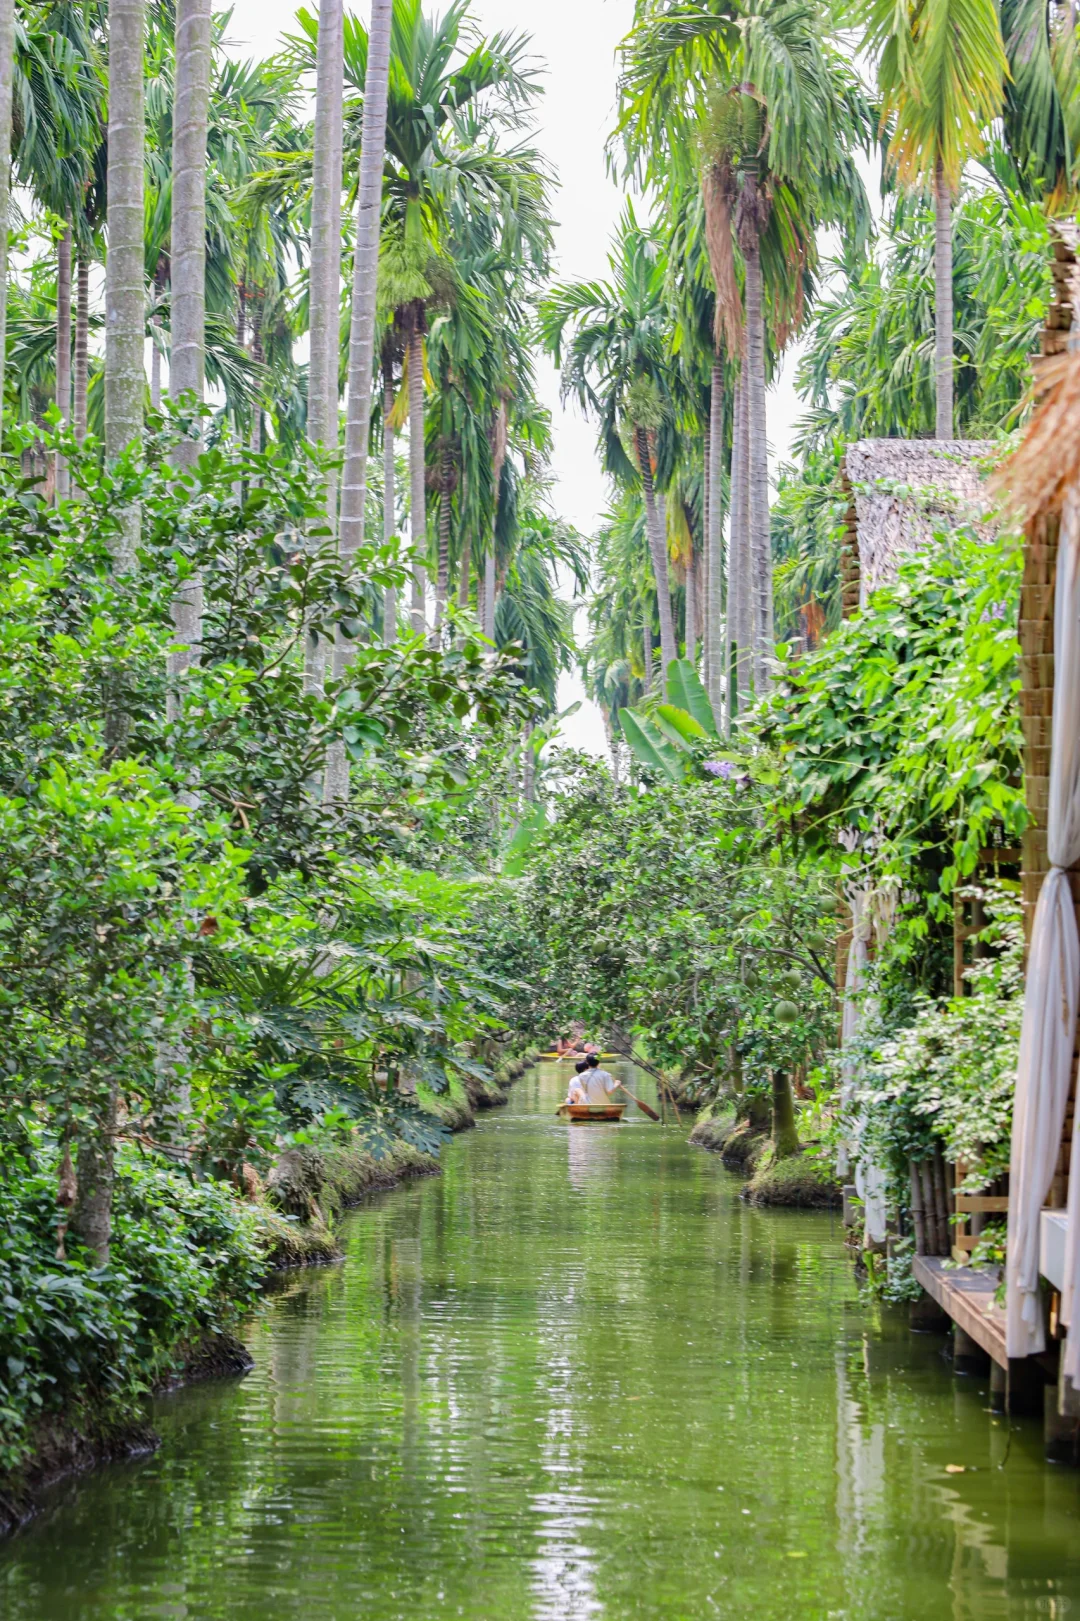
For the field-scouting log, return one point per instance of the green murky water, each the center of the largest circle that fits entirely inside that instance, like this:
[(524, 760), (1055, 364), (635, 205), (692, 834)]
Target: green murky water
[(573, 1377)]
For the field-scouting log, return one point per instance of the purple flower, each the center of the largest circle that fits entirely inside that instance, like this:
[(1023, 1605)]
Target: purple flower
[(720, 768)]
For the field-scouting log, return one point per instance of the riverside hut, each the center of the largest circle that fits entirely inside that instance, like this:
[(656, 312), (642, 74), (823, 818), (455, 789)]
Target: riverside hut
[(1042, 481), (900, 493)]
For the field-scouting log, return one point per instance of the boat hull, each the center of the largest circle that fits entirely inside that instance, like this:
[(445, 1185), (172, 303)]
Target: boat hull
[(581, 1113)]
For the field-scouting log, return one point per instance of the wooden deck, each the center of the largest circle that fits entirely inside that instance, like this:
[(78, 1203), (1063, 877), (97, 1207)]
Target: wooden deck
[(968, 1298)]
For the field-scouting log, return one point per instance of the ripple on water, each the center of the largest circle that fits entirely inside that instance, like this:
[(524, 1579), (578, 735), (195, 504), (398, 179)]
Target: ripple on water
[(573, 1377)]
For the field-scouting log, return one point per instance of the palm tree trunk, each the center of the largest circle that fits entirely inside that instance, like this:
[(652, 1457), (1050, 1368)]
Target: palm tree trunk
[(187, 359), (657, 550), (489, 596), (389, 503), (738, 582), (323, 290), (324, 287), (82, 348), (703, 577), (362, 321), (365, 275), (442, 578), (417, 470), (63, 353), (125, 320), (943, 305), (758, 470), (7, 74), (691, 608), (646, 646), (500, 433), (715, 636)]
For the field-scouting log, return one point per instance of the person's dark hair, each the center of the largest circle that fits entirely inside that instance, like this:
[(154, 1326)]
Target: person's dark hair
[(593, 1061), (582, 1064)]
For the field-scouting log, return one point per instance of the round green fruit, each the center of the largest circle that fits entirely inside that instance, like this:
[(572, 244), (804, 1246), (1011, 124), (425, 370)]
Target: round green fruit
[(816, 941), (785, 1013), (792, 978)]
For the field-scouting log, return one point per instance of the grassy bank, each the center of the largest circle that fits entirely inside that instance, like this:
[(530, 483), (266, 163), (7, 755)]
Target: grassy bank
[(801, 1181)]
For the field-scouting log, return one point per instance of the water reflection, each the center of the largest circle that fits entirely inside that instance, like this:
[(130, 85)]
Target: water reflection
[(575, 1376)]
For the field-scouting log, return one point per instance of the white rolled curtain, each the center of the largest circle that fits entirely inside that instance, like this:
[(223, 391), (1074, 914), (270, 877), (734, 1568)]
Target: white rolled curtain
[(1050, 995)]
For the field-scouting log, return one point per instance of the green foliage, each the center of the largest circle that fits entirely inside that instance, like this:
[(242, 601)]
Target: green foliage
[(185, 1264), (868, 365), (905, 725), (946, 1075), (673, 913)]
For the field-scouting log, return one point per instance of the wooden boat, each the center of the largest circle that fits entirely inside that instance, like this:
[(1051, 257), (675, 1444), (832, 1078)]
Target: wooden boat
[(581, 1112)]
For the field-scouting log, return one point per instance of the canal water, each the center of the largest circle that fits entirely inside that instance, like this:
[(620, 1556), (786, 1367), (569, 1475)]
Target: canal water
[(573, 1377)]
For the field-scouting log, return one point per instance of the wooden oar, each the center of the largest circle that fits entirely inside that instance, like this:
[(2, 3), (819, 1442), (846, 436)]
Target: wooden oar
[(644, 1107)]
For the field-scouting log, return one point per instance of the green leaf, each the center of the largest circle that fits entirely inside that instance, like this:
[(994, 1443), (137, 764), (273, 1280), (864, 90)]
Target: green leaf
[(679, 727), (685, 691), (651, 749), (524, 837)]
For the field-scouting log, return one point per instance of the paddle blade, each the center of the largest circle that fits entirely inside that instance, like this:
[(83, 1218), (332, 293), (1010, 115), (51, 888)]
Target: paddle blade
[(645, 1109)]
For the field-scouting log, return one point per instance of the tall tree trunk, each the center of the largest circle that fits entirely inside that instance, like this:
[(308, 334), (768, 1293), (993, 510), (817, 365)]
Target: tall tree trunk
[(646, 646), (187, 359), (82, 347), (738, 583), (943, 305), (125, 320), (758, 469), (7, 74), (717, 671), (691, 607), (333, 323), (91, 1218), (442, 578), (500, 433), (365, 278), (63, 353), (324, 286), (703, 575), (657, 551), (361, 329), (389, 503), (785, 1135), (417, 470), (488, 625), (323, 290)]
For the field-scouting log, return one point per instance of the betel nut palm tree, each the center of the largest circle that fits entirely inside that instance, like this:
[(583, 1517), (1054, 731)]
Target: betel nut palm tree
[(761, 98), (362, 328), (437, 75), (941, 72), (187, 359), (611, 340)]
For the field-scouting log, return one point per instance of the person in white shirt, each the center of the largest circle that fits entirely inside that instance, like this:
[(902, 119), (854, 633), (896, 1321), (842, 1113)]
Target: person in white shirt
[(599, 1083), (577, 1092)]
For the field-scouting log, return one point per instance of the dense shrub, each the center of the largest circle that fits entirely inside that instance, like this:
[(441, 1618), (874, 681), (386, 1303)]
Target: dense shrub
[(75, 1338)]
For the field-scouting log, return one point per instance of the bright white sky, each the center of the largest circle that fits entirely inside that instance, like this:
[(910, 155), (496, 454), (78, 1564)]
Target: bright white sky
[(577, 41)]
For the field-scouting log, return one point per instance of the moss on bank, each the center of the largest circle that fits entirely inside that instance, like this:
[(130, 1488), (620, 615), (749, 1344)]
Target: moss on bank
[(800, 1182)]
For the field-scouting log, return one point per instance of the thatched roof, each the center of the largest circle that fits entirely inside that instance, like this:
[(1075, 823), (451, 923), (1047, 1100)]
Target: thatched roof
[(900, 491)]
